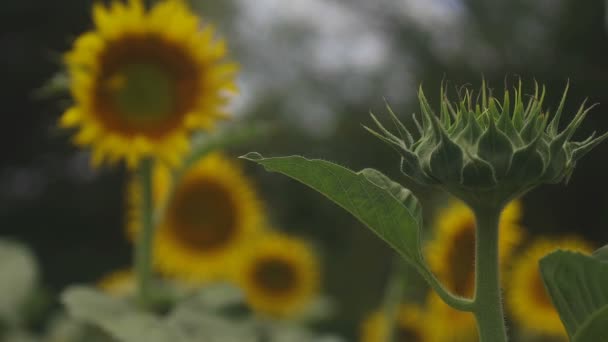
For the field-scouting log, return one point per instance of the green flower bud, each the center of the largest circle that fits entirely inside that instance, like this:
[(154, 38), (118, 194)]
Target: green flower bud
[(486, 151)]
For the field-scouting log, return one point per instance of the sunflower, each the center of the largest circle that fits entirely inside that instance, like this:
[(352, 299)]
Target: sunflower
[(119, 283), (451, 254), (449, 325), (143, 80), (210, 215), (410, 326), (526, 297), (279, 275)]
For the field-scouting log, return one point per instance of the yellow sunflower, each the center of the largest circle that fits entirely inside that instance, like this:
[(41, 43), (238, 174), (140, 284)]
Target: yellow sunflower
[(410, 326), (279, 275), (119, 283), (211, 215), (451, 253), (449, 325), (143, 80), (526, 297)]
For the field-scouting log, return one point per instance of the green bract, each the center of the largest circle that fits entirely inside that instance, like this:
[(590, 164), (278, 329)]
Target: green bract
[(487, 151)]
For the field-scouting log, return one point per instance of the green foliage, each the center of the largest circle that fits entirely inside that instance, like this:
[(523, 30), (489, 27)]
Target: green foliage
[(485, 150), (388, 209), (577, 286)]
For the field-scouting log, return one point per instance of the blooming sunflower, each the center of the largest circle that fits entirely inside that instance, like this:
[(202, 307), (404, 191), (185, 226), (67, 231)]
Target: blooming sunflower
[(449, 325), (143, 80), (118, 283), (210, 215), (279, 275), (525, 295), (451, 253), (410, 326)]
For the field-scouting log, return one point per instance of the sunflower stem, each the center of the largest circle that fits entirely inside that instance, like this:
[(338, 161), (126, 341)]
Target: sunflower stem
[(488, 308), (143, 247), (393, 297)]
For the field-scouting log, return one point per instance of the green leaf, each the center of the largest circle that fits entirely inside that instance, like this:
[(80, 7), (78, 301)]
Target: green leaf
[(117, 317), (577, 286), (18, 278), (368, 195), (404, 195)]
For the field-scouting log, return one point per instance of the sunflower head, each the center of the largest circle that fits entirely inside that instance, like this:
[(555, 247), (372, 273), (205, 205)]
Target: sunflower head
[(487, 151), (410, 326), (526, 296), (143, 80), (451, 253), (211, 212), (280, 275)]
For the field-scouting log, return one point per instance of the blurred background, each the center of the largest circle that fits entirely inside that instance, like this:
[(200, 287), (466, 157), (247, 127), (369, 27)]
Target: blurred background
[(316, 68)]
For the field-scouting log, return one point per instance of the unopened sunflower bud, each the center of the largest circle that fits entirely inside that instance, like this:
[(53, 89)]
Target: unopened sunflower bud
[(486, 151)]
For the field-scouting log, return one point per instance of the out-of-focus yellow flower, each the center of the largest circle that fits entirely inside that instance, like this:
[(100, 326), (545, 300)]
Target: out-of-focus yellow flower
[(450, 325), (451, 252), (280, 275), (410, 326), (210, 217), (525, 294), (143, 80), (119, 283)]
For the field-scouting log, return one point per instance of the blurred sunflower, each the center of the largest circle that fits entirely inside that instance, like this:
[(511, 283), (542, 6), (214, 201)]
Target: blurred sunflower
[(279, 275), (451, 253), (119, 283), (525, 294), (143, 80), (449, 325), (410, 326), (209, 216)]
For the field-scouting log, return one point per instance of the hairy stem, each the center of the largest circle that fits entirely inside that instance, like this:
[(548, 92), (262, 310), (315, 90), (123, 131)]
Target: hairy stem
[(488, 302), (143, 246)]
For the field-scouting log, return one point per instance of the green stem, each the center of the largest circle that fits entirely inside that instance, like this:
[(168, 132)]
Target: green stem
[(454, 301), (488, 302), (393, 297), (143, 246)]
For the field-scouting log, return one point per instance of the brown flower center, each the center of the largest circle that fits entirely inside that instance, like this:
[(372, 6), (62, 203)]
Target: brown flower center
[(145, 85), (275, 276), (540, 293), (203, 215), (407, 334), (461, 258)]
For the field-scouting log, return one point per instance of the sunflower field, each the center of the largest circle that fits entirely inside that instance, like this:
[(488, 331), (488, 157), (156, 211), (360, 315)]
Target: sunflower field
[(304, 171)]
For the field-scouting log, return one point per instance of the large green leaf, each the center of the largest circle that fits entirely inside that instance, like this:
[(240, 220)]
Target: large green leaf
[(388, 209), (578, 288)]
